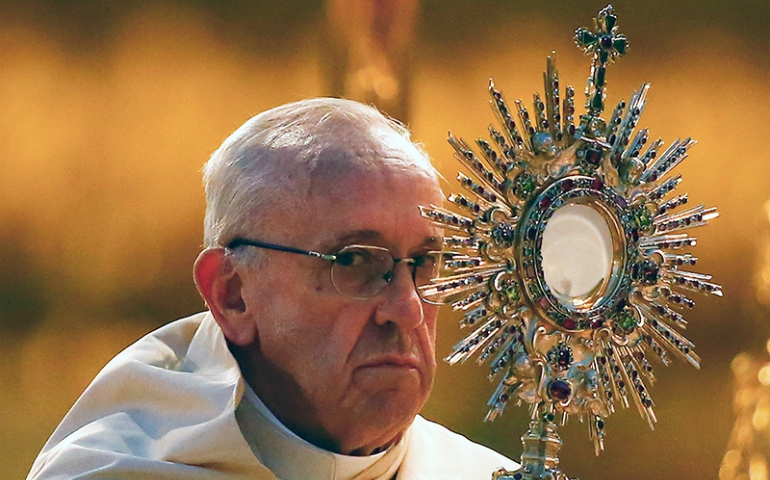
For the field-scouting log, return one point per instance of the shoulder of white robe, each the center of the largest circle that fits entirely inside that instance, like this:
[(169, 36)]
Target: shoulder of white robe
[(164, 406)]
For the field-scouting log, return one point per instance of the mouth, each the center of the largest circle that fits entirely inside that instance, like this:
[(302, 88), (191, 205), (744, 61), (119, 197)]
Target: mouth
[(392, 361)]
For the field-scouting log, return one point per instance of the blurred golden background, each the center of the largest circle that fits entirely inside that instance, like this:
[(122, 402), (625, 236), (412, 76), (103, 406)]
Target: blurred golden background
[(108, 110)]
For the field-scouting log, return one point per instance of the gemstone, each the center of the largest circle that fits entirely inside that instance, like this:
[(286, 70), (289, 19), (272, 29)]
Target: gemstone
[(531, 233), (644, 218), (620, 45), (503, 234), (606, 41), (560, 390), (569, 324), (530, 271), (597, 184), (609, 22), (543, 302), (599, 76), (523, 185), (512, 293), (593, 157), (597, 102), (626, 321), (585, 37), (646, 272)]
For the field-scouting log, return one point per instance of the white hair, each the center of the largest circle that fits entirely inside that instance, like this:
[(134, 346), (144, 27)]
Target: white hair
[(270, 158)]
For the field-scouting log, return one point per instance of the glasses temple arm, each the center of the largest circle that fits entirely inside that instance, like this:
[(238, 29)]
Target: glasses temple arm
[(237, 242)]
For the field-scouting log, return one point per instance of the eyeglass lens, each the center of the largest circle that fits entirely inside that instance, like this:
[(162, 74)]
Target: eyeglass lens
[(364, 271)]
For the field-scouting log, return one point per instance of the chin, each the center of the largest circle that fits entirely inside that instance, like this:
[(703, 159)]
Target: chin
[(377, 419), (396, 408)]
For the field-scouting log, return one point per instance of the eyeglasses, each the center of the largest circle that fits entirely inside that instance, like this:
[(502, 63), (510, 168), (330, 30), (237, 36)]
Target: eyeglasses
[(362, 271)]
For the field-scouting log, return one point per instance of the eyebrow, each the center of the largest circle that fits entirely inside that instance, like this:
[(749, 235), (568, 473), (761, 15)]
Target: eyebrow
[(358, 236)]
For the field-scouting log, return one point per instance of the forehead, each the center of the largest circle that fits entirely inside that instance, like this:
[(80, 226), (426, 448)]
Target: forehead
[(363, 205)]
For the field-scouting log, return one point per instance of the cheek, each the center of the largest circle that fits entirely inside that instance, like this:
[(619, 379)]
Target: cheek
[(314, 334)]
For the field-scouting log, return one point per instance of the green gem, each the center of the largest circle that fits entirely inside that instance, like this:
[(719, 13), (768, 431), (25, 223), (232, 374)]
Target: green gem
[(626, 320), (604, 56), (599, 76), (643, 218), (597, 103), (610, 21), (549, 417), (620, 45), (523, 185), (512, 293), (585, 37)]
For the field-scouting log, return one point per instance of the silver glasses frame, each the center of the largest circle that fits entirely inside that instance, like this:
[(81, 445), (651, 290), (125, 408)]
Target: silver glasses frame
[(333, 257)]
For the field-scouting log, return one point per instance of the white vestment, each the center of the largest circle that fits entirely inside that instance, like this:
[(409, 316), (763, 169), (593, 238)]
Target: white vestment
[(170, 407)]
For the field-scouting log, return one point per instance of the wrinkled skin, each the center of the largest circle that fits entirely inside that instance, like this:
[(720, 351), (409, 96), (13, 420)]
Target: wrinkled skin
[(347, 375)]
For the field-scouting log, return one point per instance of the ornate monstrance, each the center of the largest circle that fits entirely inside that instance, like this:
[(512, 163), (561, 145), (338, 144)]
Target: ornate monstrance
[(568, 255)]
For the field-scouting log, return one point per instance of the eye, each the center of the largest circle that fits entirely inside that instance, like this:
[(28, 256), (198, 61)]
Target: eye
[(425, 260), (354, 257), (428, 262)]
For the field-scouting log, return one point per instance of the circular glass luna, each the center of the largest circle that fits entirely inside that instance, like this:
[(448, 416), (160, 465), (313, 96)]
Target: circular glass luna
[(577, 253)]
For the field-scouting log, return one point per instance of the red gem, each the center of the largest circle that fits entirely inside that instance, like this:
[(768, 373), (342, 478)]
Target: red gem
[(597, 184), (543, 302), (530, 271), (569, 324), (560, 390), (593, 156)]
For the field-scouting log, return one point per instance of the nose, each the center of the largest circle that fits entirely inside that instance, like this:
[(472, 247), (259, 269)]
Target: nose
[(400, 303)]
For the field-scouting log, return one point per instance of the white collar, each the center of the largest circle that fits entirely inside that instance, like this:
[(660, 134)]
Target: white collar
[(290, 457)]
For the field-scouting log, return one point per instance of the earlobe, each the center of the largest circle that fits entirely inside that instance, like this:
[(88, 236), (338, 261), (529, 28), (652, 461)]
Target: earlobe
[(221, 287)]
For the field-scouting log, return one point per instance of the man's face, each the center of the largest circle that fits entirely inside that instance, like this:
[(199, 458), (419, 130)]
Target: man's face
[(347, 374)]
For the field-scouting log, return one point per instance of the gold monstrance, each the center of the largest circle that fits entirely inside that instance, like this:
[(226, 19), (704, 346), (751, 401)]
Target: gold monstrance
[(567, 254)]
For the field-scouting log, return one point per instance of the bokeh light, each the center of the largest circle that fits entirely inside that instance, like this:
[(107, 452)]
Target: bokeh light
[(108, 110)]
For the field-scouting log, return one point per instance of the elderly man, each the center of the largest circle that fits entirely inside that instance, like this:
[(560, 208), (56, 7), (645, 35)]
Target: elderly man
[(317, 352)]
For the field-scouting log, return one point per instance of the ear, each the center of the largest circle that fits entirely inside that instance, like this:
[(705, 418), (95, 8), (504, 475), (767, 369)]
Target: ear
[(221, 287)]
